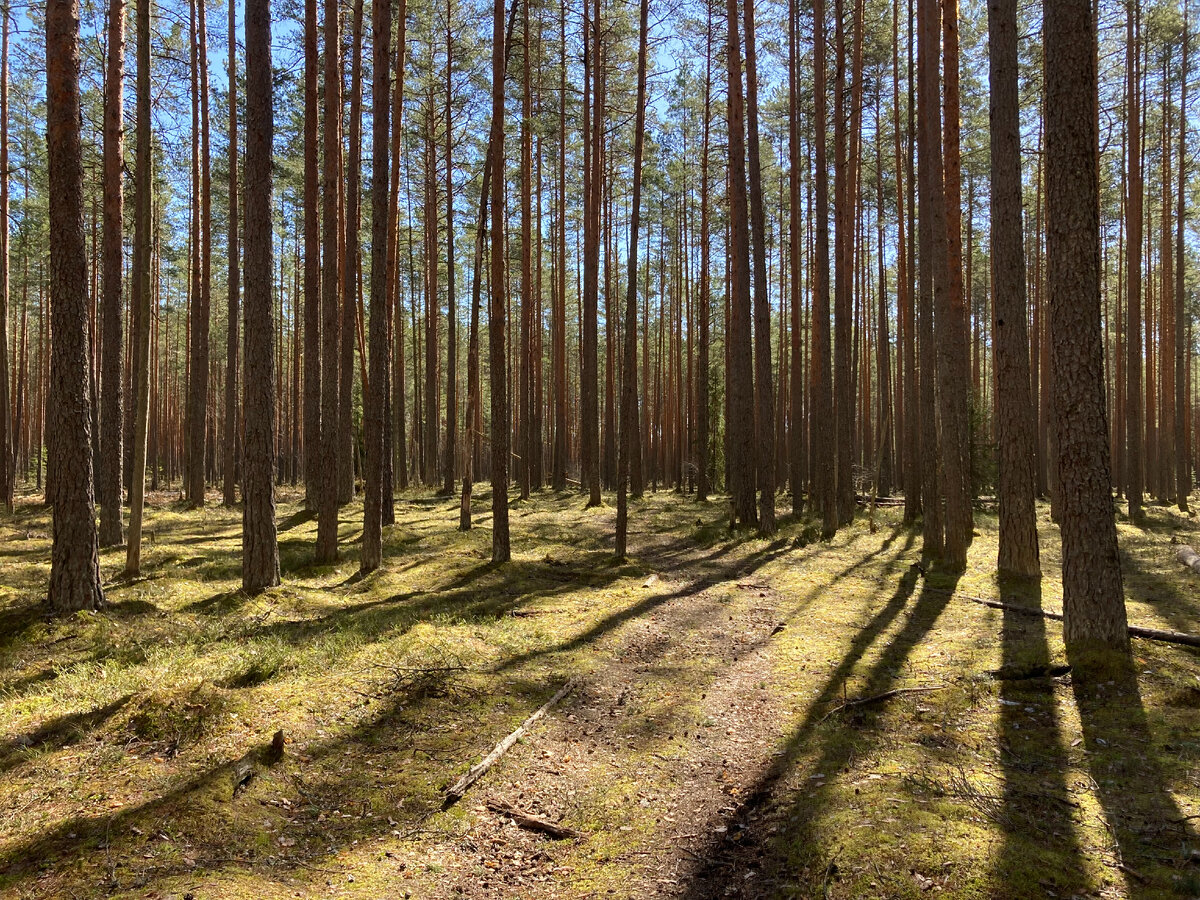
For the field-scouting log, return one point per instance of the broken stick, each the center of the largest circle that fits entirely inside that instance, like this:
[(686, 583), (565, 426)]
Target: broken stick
[(1150, 634), (530, 822), (455, 792)]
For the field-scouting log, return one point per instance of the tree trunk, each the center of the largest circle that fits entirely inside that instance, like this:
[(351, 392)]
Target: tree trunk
[(558, 464), (108, 487), (525, 382), (201, 275), (74, 561), (929, 166), (501, 551), (230, 430), (821, 435), (140, 295), (260, 549), (1015, 429), (350, 265), (375, 392), (1183, 480), (1093, 596), (629, 393), (741, 373), (796, 413), (589, 381), (1133, 274), (703, 426), (449, 460), (763, 377), (952, 316), (331, 444), (312, 265)]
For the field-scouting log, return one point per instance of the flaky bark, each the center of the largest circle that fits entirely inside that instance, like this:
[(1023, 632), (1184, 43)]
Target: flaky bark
[(821, 433), (74, 560), (764, 390), (230, 428), (501, 551), (108, 483), (1093, 595), (374, 401), (1018, 553), (1133, 274), (331, 444), (741, 373), (312, 265), (140, 295), (629, 396), (260, 549), (953, 372), (929, 167)]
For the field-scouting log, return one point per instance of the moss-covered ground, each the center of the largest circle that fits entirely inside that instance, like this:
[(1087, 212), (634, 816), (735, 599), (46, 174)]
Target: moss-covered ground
[(704, 751)]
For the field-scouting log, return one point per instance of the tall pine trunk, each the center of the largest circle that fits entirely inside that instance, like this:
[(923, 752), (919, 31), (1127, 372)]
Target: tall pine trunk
[(629, 393), (108, 484), (260, 548), (741, 373), (501, 551), (1093, 596), (331, 444), (1018, 554), (375, 392), (763, 377), (230, 434), (74, 560)]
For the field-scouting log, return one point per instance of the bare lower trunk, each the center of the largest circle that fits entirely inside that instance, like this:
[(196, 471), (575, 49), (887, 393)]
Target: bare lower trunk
[(74, 564)]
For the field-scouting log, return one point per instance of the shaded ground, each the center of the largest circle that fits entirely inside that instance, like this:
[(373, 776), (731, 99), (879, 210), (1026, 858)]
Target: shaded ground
[(705, 752)]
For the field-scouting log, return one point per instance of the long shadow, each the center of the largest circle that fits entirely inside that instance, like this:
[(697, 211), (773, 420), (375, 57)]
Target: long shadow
[(1151, 837), (57, 733), (1168, 598), (752, 863), (1037, 815), (384, 788), (689, 589)]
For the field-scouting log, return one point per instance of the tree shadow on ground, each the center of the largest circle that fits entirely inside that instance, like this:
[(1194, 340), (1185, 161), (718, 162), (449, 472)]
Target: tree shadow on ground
[(1151, 838), (57, 733), (1035, 812), (755, 857)]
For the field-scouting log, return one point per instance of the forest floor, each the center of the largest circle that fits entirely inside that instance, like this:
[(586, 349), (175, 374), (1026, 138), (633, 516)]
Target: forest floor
[(710, 747)]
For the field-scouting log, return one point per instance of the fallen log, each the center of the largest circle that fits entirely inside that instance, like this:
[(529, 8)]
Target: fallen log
[(1141, 631), (455, 792), (1188, 558), (530, 822)]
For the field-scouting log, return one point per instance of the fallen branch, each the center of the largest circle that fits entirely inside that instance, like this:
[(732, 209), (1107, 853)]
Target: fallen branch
[(530, 822), (460, 787), (1150, 634), (1189, 558), (886, 695)]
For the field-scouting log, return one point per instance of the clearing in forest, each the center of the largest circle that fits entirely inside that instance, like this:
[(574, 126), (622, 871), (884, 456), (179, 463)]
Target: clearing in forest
[(748, 718)]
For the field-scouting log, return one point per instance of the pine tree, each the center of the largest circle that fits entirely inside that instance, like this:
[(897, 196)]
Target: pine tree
[(1093, 595), (74, 562), (1018, 553), (108, 482), (260, 548)]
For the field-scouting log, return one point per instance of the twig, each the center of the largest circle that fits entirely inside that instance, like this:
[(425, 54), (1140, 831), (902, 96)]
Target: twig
[(530, 822), (460, 787), (886, 695)]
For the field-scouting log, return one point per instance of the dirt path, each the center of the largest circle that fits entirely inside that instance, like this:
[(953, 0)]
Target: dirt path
[(656, 748)]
